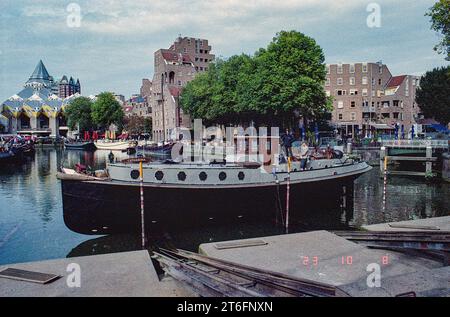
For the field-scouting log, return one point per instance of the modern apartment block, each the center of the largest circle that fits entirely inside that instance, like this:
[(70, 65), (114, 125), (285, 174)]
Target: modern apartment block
[(174, 68), (367, 98)]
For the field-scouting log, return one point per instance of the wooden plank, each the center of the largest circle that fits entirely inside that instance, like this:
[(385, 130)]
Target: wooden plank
[(239, 244), (407, 173), (28, 276), (431, 228), (412, 158)]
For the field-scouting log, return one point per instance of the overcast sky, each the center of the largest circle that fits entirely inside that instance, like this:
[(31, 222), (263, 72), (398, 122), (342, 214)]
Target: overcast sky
[(112, 49)]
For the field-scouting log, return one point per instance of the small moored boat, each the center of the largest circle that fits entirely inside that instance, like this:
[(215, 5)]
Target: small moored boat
[(183, 194), (84, 146), (114, 145)]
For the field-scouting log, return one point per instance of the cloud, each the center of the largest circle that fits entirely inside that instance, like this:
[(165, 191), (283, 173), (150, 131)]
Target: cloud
[(113, 49)]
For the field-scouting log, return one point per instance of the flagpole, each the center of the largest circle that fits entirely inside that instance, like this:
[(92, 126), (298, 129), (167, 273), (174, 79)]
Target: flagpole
[(142, 204)]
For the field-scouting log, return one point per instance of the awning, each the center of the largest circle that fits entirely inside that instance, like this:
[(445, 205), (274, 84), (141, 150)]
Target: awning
[(382, 126)]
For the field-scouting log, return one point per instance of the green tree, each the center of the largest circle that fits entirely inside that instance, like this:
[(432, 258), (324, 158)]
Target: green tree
[(137, 124), (148, 125), (440, 22), (79, 114), (107, 110), (216, 96), (433, 95), (269, 88), (289, 79)]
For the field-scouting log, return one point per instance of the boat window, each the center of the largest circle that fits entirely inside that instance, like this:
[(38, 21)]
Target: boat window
[(182, 176), (159, 175), (203, 176), (241, 176), (135, 174), (222, 176)]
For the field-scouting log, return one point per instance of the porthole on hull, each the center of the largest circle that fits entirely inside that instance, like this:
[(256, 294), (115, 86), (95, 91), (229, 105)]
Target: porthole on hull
[(241, 176), (182, 176), (203, 176), (135, 174), (222, 176), (159, 175)]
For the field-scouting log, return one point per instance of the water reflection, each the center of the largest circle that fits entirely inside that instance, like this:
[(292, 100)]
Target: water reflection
[(32, 226), (407, 198)]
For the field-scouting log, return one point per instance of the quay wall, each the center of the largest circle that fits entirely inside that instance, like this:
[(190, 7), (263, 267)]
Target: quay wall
[(446, 167), (371, 155)]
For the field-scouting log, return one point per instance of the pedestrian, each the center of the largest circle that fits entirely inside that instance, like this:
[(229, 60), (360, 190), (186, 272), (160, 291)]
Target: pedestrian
[(111, 157), (287, 139), (304, 150)]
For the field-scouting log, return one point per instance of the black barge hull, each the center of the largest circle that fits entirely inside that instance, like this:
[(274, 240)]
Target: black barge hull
[(109, 208)]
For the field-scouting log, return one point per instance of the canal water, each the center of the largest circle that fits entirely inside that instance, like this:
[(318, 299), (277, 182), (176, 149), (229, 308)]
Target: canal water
[(32, 226)]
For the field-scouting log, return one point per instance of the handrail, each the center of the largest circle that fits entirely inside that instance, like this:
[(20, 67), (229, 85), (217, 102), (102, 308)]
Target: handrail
[(416, 143)]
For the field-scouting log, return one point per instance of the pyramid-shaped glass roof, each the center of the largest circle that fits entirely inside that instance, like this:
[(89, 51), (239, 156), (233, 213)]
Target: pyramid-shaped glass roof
[(40, 74)]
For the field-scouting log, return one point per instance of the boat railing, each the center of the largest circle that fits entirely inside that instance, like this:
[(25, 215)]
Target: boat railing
[(416, 143)]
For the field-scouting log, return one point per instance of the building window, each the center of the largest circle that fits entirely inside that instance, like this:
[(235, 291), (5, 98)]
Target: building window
[(179, 83), (328, 82), (364, 80), (340, 116), (373, 93), (380, 81), (340, 104), (353, 116), (339, 69), (341, 92), (364, 68), (340, 81), (352, 81), (353, 92), (353, 104), (380, 70), (364, 92), (352, 68), (327, 93)]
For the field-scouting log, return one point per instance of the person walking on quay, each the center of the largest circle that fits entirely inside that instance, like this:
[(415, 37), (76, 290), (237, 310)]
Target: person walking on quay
[(287, 139), (304, 150), (111, 157)]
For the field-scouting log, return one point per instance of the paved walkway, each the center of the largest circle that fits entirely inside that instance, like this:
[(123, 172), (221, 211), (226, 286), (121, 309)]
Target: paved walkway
[(324, 257), (111, 275), (440, 223)]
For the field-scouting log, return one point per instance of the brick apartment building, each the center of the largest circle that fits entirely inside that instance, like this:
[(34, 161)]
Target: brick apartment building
[(174, 68), (367, 98)]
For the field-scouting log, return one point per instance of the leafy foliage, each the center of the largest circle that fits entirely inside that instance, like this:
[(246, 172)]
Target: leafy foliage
[(107, 110), (79, 114), (279, 82), (440, 19), (137, 124), (433, 95)]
